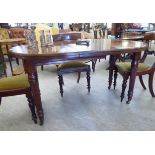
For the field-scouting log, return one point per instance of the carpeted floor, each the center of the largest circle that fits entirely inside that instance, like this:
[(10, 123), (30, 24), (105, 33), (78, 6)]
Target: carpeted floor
[(78, 110)]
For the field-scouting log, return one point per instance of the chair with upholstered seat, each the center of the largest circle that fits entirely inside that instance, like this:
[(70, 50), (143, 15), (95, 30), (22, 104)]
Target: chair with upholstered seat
[(73, 37), (18, 71), (73, 67), (70, 67), (4, 34), (4, 48), (143, 69), (124, 69), (17, 85), (15, 71)]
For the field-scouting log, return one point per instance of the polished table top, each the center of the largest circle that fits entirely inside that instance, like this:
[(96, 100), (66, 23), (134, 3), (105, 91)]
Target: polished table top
[(71, 50)]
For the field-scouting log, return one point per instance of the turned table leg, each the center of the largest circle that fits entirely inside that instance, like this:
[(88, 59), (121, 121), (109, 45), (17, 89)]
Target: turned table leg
[(134, 65), (111, 69), (30, 69)]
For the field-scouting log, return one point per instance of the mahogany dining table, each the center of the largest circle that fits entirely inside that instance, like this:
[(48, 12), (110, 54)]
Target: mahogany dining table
[(70, 51)]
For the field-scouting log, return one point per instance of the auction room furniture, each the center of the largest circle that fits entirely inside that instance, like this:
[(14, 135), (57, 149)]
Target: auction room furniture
[(18, 85), (71, 37), (70, 67), (124, 68), (9, 43), (17, 32), (5, 34), (97, 48)]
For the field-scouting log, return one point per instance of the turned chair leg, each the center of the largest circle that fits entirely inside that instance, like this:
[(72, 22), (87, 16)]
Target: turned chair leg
[(115, 76), (95, 34), (125, 78), (93, 65), (32, 107), (0, 100), (88, 81), (151, 84), (42, 67), (141, 81), (61, 84), (79, 75), (17, 61), (63, 81)]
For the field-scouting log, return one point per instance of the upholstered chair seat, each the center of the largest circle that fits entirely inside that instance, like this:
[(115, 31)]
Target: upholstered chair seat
[(18, 85), (125, 67), (15, 82), (72, 65), (18, 71)]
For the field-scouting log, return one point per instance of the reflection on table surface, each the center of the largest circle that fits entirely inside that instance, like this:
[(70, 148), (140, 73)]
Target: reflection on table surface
[(67, 47)]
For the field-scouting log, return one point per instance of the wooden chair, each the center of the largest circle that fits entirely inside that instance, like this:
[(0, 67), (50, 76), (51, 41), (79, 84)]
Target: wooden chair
[(15, 71), (77, 26), (143, 69), (70, 67), (4, 48), (17, 33), (18, 85), (124, 69), (73, 67), (4, 34)]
